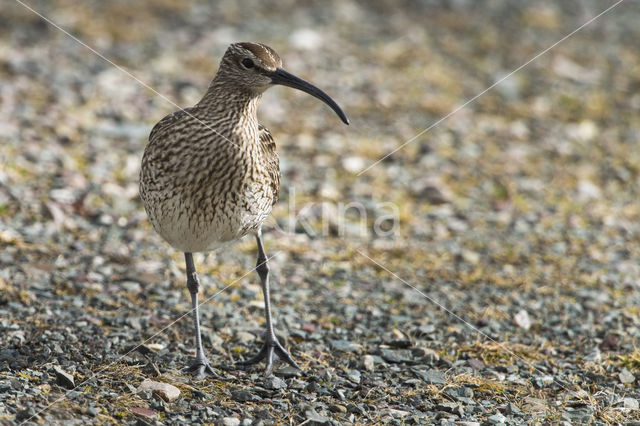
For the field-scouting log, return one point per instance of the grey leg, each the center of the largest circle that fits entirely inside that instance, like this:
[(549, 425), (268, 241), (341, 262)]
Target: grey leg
[(201, 367), (271, 345)]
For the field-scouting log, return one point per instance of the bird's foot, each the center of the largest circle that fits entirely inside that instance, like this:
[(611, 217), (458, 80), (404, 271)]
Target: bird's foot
[(270, 348), (201, 369)]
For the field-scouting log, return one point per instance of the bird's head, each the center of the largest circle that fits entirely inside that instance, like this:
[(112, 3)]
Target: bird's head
[(256, 67)]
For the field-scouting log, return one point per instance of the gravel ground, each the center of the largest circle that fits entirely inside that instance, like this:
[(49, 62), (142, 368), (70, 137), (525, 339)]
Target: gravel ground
[(494, 280)]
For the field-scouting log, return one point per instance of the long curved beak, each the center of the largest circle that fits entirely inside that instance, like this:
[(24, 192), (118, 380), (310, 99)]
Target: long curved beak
[(280, 76)]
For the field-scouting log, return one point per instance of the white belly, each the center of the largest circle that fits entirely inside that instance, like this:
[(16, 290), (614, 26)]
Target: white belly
[(195, 229)]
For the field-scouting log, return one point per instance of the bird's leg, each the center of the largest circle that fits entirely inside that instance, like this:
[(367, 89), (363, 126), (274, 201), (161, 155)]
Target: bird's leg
[(271, 344), (201, 367)]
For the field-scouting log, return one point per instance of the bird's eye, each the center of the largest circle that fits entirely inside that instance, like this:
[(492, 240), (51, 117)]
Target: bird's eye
[(247, 63)]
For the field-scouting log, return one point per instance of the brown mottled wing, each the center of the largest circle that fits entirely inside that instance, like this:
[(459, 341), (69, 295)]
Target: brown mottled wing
[(169, 121), (268, 146)]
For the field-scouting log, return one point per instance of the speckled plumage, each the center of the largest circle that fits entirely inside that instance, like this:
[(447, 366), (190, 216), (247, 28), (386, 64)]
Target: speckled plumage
[(210, 174)]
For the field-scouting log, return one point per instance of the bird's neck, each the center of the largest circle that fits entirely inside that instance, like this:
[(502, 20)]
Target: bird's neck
[(227, 102)]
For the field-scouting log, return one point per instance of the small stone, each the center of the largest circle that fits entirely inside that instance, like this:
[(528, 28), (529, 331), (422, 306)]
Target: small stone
[(288, 372), (306, 38), (476, 364), (63, 378), (26, 414), (353, 164), (512, 409), (594, 356), (337, 408), (630, 403), (143, 412), (471, 257), (244, 396), (432, 377), (396, 356), (583, 415), (244, 337), (432, 195), (368, 363), (230, 421), (308, 327), (626, 376), (275, 383), (496, 419), (534, 405), (588, 190), (345, 345), (610, 342), (354, 376), (165, 391), (522, 320), (451, 407), (315, 418), (92, 411), (398, 413), (544, 381)]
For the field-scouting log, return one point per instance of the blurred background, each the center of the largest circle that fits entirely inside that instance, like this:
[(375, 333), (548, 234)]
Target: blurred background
[(520, 212)]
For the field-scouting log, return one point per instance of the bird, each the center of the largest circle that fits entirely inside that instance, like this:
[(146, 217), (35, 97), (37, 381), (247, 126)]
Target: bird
[(210, 175)]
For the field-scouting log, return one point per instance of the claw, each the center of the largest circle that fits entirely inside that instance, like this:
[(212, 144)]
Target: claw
[(271, 348), (201, 369)]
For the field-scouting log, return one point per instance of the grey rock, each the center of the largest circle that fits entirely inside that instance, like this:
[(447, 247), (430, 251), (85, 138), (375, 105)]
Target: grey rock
[(513, 409), (63, 378), (345, 345), (396, 356), (316, 419), (368, 363), (630, 403), (230, 421), (451, 407), (337, 408), (244, 396), (163, 390), (578, 415), (496, 419), (354, 376), (275, 383), (432, 377), (626, 376)]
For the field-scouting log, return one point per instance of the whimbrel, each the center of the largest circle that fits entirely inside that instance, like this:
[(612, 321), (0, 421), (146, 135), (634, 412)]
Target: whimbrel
[(210, 174)]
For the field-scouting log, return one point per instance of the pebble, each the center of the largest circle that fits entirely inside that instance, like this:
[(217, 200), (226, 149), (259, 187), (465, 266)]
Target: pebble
[(275, 383), (345, 345), (338, 408), (496, 419), (476, 364), (630, 403), (432, 377), (230, 421), (544, 381), (315, 418), (594, 356), (165, 391), (512, 409), (522, 319), (244, 396), (144, 412), (244, 337), (64, 379), (451, 407), (368, 363), (354, 376), (626, 376)]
